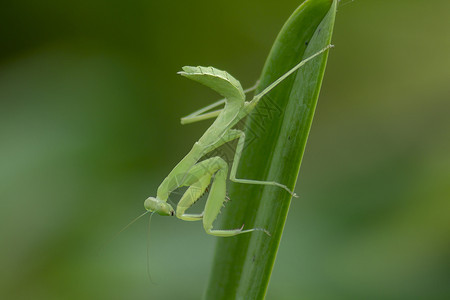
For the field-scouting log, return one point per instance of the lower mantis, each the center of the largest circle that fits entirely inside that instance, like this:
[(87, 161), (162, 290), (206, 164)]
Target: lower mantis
[(197, 176)]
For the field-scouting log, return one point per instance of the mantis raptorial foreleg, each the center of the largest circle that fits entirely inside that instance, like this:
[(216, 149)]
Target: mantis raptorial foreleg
[(206, 169), (192, 194), (215, 201)]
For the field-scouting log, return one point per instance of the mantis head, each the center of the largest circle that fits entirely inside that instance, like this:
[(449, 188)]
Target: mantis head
[(159, 206)]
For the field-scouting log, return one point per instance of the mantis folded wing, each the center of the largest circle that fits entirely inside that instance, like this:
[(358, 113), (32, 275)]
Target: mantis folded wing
[(197, 175)]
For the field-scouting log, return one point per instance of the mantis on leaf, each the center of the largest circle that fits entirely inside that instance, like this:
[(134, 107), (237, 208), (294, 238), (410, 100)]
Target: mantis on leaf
[(197, 175)]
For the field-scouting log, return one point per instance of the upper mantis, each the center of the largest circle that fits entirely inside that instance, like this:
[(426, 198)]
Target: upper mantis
[(197, 175)]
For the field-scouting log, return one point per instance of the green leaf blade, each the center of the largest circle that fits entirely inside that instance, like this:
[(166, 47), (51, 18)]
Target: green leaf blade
[(277, 132)]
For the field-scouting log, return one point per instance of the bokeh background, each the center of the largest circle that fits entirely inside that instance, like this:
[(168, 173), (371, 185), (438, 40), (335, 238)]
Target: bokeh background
[(89, 126)]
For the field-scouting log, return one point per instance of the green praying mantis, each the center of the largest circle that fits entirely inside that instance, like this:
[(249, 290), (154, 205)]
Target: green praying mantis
[(197, 175)]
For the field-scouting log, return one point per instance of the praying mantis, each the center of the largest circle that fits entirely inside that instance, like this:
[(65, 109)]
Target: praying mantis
[(197, 175)]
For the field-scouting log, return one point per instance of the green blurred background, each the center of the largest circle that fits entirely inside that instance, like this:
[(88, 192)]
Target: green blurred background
[(89, 126)]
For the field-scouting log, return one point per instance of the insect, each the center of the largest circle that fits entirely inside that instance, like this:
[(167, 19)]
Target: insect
[(198, 175)]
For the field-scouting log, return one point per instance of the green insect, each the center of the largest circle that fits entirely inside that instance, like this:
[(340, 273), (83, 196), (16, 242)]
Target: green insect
[(197, 175)]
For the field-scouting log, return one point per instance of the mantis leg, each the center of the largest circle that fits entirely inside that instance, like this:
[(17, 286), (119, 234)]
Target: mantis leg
[(216, 199), (199, 115), (237, 157), (234, 134), (192, 194), (258, 97), (204, 171), (197, 178)]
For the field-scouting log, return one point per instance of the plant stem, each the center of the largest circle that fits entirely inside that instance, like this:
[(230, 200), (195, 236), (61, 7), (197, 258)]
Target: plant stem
[(276, 132)]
